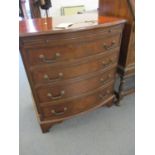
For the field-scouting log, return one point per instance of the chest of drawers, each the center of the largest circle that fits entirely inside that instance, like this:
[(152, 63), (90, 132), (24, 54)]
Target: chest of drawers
[(126, 65), (70, 71)]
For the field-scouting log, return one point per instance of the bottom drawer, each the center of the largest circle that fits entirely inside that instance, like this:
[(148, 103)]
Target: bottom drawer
[(78, 105)]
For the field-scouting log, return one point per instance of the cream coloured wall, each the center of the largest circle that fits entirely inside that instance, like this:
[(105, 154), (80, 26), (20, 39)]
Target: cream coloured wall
[(57, 4)]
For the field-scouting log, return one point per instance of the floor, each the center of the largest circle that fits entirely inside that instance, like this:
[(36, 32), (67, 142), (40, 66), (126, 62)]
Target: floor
[(105, 131)]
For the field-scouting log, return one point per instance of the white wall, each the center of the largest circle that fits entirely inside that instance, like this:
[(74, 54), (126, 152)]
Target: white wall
[(57, 4)]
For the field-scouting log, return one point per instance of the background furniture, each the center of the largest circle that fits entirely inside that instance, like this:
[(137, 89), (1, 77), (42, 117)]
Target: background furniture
[(22, 9), (34, 8), (21, 14), (72, 70), (72, 10), (45, 5), (126, 68)]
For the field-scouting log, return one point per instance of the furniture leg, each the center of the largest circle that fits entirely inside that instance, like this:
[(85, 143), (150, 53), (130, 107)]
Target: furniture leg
[(45, 127)]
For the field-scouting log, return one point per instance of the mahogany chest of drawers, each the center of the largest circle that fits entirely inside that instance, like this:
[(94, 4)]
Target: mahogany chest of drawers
[(126, 65), (70, 71)]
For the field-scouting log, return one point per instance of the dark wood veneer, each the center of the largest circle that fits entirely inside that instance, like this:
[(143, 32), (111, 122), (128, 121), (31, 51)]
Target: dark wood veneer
[(70, 71), (126, 68)]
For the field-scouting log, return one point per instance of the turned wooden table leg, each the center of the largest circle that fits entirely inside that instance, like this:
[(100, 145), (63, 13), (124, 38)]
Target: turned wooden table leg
[(118, 95), (121, 88)]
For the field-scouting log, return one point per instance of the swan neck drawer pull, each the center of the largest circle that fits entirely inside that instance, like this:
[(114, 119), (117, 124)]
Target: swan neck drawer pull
[(46, 60), (107, 47), (108, 62), (57, 113), (56, 97), (104, 80), (105, 64), (59, 77), (110, 30)]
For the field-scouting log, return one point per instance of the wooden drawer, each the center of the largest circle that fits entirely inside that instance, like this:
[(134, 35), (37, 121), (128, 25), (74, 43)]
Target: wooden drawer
[(70, 71), (78, 105), (71, 51), (66, 90), (60, 39), (57, 73)]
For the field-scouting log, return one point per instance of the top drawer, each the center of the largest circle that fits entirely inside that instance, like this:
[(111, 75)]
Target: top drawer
[(59, 38), (69, 52)]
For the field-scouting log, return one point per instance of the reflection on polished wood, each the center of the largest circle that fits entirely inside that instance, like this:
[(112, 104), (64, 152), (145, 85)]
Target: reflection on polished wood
[(70, 71), (126, 68), (48, 25)]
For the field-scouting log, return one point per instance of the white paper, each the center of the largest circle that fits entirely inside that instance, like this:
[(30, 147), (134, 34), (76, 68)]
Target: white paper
[(64, 25)]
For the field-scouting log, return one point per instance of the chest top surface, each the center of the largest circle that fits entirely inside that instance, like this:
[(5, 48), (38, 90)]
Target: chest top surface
[(42, 26)]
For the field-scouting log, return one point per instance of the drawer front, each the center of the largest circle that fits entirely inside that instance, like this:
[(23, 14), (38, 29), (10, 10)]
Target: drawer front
[(67, 90), (76, 106), (59, 39), (50, 74), (71, 51)]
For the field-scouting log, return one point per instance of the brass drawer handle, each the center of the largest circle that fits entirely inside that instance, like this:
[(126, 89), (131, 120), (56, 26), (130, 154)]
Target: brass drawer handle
[(106, 79), (110, 31), (46, 41), (102, 96), (60, 76), (57, 113), (46, 60), (107, 63), (112, 60), (56, 97), (107, 47)]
